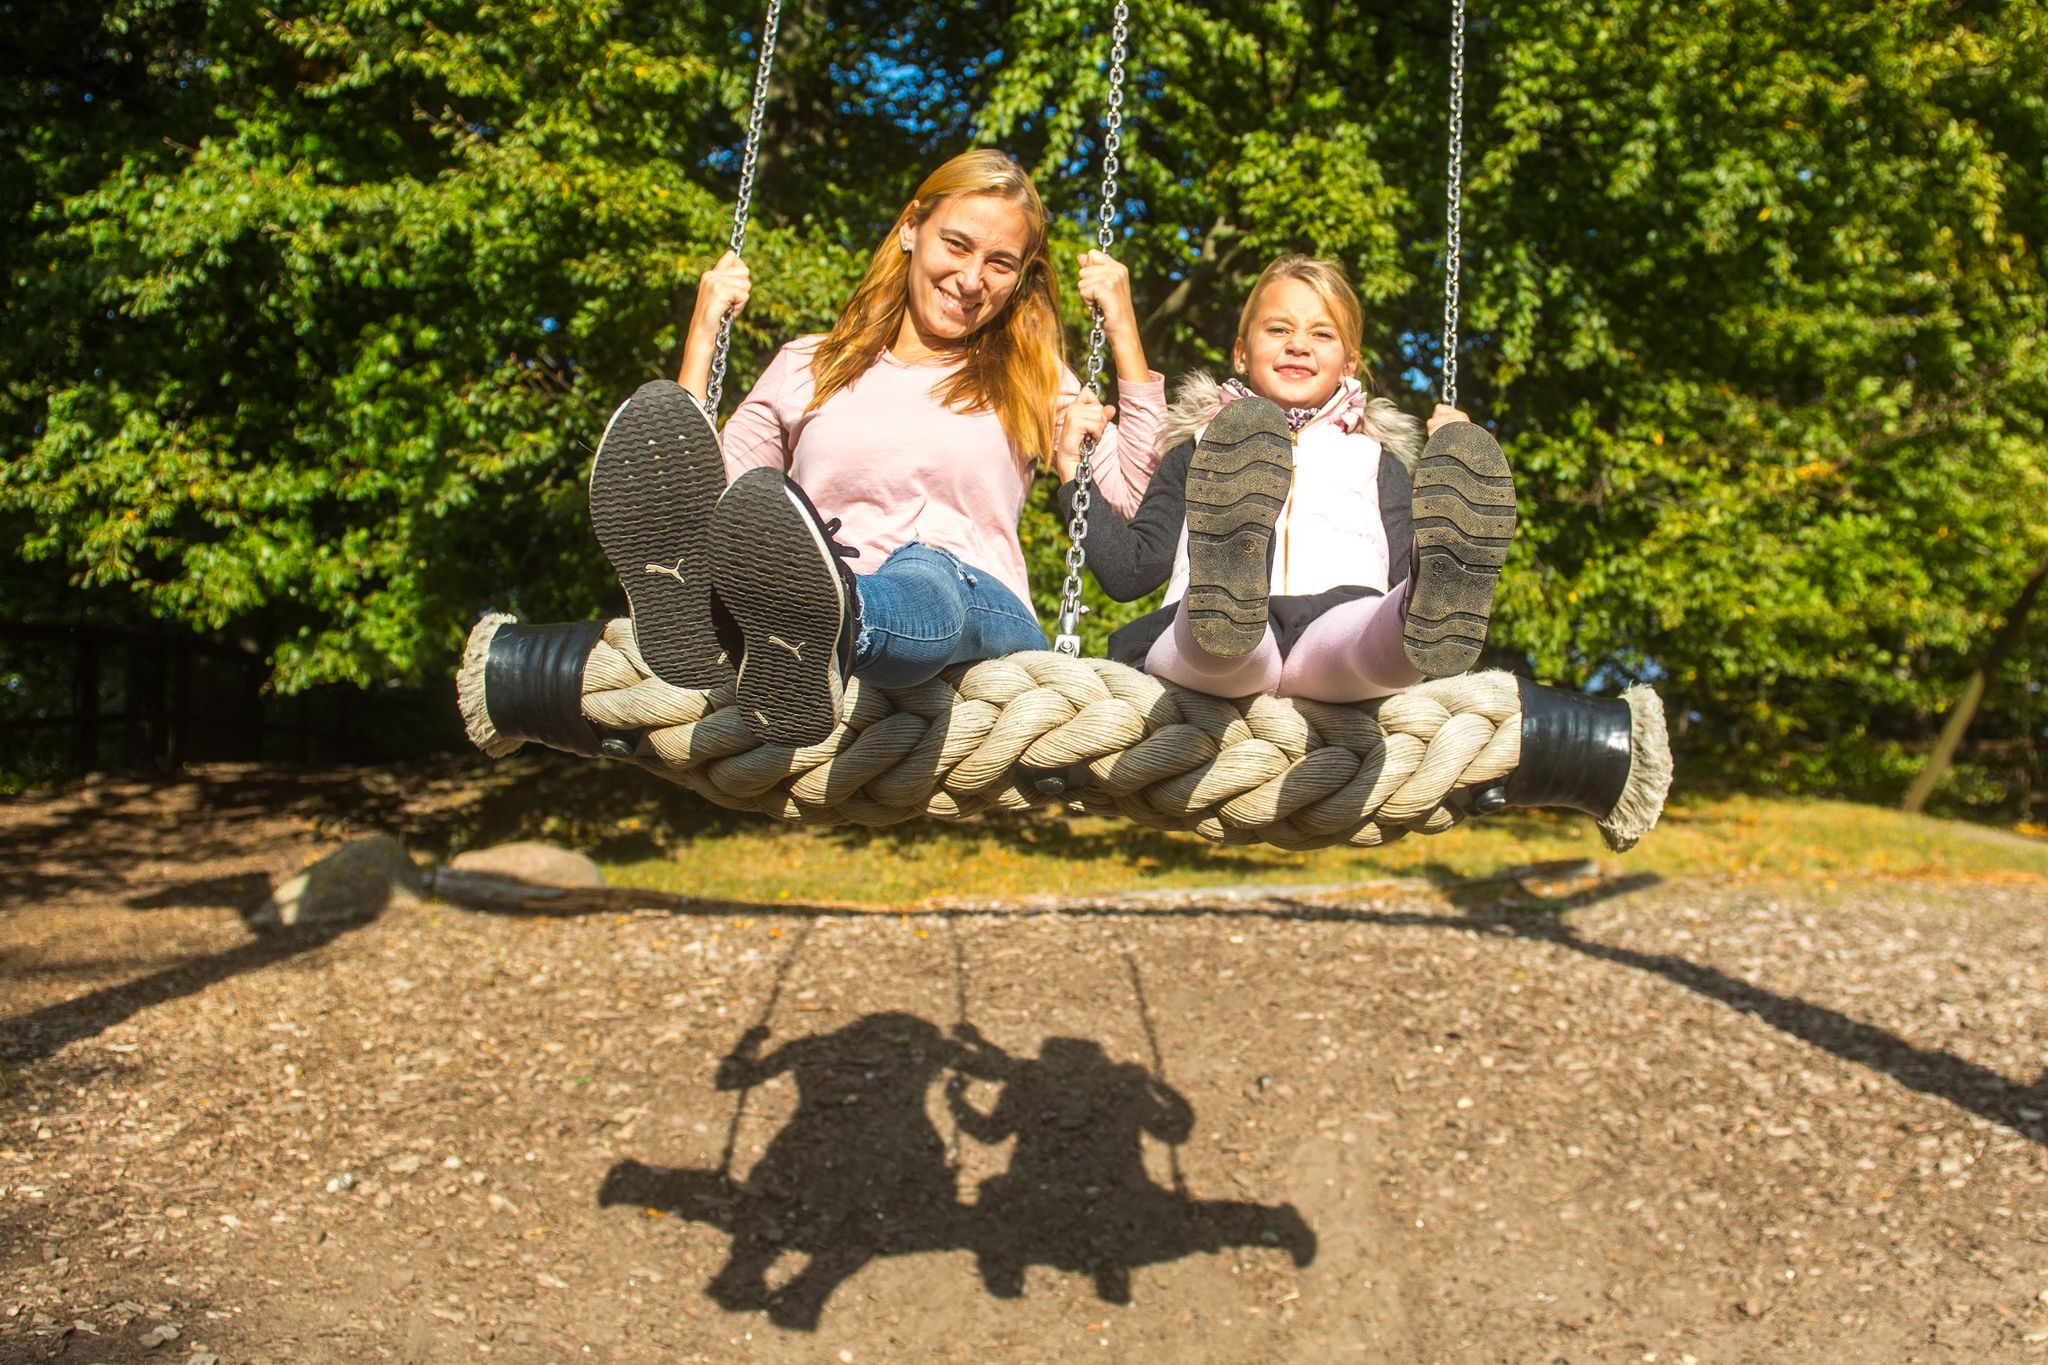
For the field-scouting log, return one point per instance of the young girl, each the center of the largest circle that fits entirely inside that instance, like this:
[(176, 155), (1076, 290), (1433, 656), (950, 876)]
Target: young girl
[(916, 425), (1311, 551)]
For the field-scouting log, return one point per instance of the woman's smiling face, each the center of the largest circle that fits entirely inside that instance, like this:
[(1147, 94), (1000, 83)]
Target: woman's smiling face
[(965, 262), (1293, 352)]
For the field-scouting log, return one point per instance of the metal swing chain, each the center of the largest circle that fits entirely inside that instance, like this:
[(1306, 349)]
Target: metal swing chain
[(744, 201), (739, 1104), (1067, 639), (1455, 219)]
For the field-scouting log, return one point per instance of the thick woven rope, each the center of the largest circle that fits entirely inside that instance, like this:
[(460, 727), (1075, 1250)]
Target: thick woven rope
[(1018, 732), (1102, 737)]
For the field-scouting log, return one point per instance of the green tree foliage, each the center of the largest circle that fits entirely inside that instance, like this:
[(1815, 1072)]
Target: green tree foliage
[(324, 312), (1775, 378), (313, 313)]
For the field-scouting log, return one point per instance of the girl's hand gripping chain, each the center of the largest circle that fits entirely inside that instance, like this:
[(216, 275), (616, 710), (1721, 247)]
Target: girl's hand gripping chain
[(1080, 416)]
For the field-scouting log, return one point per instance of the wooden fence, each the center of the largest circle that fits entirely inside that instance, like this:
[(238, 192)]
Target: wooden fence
[(77, 699)]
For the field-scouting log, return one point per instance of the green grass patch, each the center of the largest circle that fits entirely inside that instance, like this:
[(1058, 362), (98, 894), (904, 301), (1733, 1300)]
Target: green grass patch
[(650, 833), (1053, 854)]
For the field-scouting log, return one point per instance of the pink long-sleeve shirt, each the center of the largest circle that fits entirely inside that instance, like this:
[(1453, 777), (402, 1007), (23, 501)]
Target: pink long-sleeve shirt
[(896, 465)]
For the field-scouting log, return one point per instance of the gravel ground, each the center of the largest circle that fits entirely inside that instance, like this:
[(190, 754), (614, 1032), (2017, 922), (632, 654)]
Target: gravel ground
[(1683, 1121)]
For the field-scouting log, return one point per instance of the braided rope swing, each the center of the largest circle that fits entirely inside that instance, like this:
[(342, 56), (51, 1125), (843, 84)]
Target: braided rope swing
[(1019, 732)]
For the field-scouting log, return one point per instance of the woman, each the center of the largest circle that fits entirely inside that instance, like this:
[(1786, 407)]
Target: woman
[(917, 425)]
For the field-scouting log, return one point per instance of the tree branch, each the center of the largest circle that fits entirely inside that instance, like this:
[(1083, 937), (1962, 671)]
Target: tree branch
[(1209, 265)]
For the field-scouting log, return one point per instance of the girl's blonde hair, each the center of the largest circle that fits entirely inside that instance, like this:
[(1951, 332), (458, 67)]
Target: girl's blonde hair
[(1330, 284), (1012, 363)]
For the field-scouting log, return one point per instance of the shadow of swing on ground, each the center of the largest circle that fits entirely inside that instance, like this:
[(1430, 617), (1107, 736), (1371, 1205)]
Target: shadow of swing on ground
[(1486, 910), (1529, 903), (1491, 906), (860, 1171), (41, 1033)]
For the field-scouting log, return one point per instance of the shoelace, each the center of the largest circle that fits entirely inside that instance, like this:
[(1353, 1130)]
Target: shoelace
[(844, 551)]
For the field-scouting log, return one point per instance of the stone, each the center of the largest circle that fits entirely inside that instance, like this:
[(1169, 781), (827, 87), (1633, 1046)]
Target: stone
[(357, 881), (531, 862)]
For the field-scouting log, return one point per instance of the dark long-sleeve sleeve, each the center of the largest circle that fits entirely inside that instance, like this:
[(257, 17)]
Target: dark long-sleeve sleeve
[(1132, 558), (1397, 514)]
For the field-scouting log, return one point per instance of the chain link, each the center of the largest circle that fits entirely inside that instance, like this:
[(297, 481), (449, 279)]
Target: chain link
[(1454, 221), (1067, 639), (744, 202)]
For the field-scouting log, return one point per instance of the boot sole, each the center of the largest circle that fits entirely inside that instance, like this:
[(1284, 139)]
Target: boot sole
[(777, 576), (1464, 509), (1237, 483), (657, 475)]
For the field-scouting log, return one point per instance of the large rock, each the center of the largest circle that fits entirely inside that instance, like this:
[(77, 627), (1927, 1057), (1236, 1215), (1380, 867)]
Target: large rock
[(354, 882), (535, 864)]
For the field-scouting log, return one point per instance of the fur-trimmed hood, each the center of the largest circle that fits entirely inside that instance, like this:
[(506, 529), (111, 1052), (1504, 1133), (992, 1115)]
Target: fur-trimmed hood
[(1196, 399)]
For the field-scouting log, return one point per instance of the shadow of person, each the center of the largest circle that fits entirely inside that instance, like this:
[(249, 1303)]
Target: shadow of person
[(859, 1171), (1076, 1195)]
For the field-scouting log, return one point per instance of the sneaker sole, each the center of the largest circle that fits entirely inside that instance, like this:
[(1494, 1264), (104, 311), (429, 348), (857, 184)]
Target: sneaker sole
[(657, 475), (1464, 507), (1237, 484), (777, 577)]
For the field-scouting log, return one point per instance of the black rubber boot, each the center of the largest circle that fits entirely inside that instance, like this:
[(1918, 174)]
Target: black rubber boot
[(1609, 757), (656, 478), (1237, 483), (1464, 509), (533, 688), (1576, 751)]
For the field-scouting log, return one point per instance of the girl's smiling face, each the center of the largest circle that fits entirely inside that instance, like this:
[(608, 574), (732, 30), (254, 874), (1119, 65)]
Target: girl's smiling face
[(1293, 351), (965, 262)]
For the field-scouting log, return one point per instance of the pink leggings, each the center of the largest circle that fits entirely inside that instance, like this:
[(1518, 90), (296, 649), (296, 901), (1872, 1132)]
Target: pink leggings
[(1352, 652)]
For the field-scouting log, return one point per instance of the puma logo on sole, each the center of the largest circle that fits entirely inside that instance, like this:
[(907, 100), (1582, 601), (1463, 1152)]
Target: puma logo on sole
[(796, 650), (676, 573)]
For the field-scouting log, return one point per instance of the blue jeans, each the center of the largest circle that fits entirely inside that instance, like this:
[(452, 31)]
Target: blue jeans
[(924, 609)]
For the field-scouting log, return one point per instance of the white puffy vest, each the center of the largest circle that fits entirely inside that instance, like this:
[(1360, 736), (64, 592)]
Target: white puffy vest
[(1330, 533)]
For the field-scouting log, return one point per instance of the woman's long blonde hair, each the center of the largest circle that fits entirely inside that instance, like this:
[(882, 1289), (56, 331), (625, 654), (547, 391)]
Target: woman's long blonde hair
[(1012, 363)]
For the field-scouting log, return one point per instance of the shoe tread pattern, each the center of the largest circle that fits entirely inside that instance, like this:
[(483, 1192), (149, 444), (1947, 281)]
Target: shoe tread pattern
[(1464, 515), (778, 580), (657, 475), (1237, 484)]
